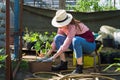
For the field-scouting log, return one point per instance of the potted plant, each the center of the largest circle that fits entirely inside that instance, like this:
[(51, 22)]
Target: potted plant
[(30, 38), (42, 45)]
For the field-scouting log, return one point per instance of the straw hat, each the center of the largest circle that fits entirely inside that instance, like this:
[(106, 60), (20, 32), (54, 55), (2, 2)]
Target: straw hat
[(62, 18)]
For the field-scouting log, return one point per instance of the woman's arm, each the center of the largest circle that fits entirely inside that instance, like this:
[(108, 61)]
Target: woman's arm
[(70, 35)]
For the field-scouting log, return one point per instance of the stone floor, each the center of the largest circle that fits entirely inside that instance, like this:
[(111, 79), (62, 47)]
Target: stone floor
[(24, 73)]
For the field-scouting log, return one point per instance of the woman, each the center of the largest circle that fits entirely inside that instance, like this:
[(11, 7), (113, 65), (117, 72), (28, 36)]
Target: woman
[(72, 34)]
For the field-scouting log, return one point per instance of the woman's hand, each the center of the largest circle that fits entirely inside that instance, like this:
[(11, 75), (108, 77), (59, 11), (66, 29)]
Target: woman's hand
[(41, 59), (51, 59)]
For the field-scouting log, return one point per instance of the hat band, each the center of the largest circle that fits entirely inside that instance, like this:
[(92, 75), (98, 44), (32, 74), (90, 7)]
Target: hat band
[(63, 20)]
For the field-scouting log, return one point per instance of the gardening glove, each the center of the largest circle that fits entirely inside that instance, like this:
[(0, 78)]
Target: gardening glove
[(48, 60), (41, 59)]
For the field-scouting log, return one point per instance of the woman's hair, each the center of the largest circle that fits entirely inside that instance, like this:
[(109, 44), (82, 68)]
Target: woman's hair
[(76, 23)]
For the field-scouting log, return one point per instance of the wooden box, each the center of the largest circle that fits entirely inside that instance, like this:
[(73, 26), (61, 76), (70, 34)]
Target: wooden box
[(35, 66)]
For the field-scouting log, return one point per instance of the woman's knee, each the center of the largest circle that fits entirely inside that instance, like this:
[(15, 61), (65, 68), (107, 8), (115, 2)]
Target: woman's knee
[(59, 37), (59, 40), (75, 41)]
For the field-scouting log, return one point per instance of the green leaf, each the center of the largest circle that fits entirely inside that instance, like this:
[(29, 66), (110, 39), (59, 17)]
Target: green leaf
[(117, 70), (2, 57), (37, 46), (111, 65)]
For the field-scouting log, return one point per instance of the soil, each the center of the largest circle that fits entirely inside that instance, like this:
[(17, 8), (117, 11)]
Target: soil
[(24, 72)]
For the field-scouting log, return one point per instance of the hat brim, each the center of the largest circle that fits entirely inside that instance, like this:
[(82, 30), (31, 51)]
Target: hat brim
[(61, 24)]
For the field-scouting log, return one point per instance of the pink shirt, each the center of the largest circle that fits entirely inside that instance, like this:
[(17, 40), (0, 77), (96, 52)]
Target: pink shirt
[(70, 31)]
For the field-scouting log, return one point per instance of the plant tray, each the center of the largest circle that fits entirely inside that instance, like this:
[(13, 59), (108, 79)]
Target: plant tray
[(35, 66)]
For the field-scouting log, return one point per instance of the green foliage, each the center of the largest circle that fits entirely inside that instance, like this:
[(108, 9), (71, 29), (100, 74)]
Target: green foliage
[(111, 65), (2, 51), (2, 57), (47, 46), (37, 46), (30, 36), (90, 6), (24, 65), (114, 64), (51, 36), (42, 41)]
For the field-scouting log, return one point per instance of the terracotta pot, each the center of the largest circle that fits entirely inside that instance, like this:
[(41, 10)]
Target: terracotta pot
[(35, 66), (47, 75)]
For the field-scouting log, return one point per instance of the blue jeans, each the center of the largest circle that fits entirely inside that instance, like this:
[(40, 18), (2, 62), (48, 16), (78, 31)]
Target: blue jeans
[(79, 45)]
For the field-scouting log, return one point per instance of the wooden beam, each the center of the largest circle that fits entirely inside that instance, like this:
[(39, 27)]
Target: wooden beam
[(8, 59), (21, 28)]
